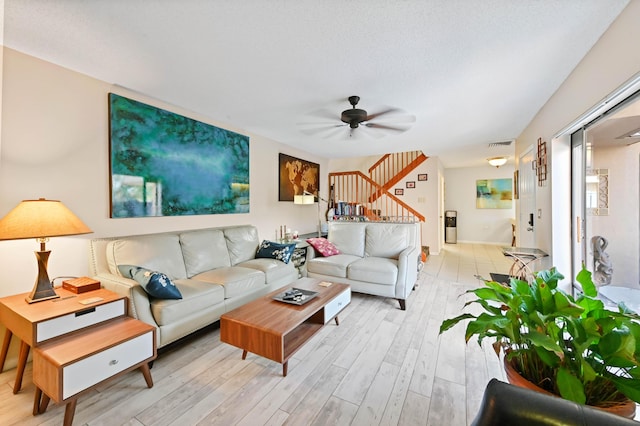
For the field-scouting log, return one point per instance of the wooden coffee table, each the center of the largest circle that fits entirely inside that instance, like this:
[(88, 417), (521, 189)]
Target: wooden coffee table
[(276, 330)]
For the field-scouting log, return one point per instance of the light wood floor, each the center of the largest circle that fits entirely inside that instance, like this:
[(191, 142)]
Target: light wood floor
[(380, 366)]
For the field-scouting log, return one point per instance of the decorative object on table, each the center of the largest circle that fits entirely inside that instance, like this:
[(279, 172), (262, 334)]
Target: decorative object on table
[(494, 193), (165, 164), (497, 161), (411, 184), (602, 266), (295, 296), (573, 348), (399, 191), (41, 219), (81, 285), (297, 177), (540, 163), (423, 177)]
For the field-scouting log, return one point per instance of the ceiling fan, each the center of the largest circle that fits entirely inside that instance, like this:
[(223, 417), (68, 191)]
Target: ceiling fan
[(391, 119)]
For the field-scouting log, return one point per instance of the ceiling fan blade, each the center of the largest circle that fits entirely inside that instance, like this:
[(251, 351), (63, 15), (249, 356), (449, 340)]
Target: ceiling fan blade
[(387, 127), (383, 112), (317, 130)]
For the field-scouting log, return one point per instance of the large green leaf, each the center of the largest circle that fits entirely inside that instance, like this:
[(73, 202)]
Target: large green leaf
[(544, 341), (448, 323), (584, 279), (629, 387), (570, 387), (567, 306)]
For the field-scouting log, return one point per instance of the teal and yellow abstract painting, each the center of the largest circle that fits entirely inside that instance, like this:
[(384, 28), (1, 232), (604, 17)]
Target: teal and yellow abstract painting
[(165, 164), (494, 193)]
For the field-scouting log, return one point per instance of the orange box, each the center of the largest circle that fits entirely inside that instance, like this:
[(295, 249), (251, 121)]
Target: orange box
[(81, 285)]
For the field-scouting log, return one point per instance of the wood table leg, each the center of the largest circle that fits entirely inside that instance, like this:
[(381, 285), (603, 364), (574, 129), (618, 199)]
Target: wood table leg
[(69, 412), (244, 354), (22, 362), (5, 348), (337, 320), (147, 375), (40, 402), (285, 367)]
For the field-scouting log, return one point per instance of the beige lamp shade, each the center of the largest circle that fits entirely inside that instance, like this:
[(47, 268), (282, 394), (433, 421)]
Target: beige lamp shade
[(40, 219), (303, 199)]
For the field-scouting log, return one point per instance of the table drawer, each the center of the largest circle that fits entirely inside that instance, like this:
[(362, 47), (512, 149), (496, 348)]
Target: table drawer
[(334, 307), (89, 371), (83, 318)]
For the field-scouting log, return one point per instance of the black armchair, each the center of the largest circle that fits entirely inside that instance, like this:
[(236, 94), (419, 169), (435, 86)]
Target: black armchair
[(505, 404)]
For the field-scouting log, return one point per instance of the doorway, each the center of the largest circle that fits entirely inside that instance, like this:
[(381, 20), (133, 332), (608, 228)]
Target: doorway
[(527, 192), (606, 200)]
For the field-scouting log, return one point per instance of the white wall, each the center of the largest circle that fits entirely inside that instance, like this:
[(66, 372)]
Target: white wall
[(474, 225), (55, 145), (613, 60)]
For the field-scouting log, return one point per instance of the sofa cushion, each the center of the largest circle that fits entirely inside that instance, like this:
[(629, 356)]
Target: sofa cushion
[(154, 252), (273, 250), (236, 280), (336, 266), (386, 240), (196, 296), (377, 270), (348, 237), (323, 246), (156, 284), (204, 250), (273, 269), (242, 243)]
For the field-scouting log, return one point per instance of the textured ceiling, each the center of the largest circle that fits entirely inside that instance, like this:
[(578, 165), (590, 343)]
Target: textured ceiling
[(471, 72)]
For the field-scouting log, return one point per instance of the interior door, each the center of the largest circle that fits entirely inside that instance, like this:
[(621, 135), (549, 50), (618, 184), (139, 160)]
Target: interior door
[(527, 190), (578, 210)]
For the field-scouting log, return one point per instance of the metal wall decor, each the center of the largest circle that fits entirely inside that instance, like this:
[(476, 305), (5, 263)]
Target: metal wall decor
[(540, 164)]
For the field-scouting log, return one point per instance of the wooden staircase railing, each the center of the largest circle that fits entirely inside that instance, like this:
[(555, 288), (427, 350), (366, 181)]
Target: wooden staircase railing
[(392, 168), (352, 200)]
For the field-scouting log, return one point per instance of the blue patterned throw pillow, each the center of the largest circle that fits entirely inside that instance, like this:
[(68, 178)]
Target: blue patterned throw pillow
[(272, 250), (156, 284)]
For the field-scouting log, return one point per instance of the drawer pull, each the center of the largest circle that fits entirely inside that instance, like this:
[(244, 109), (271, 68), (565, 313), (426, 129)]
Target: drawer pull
[(113, 362), (86, 311)]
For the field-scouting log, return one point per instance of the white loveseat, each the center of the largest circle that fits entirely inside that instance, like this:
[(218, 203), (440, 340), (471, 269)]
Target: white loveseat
[(375, 258), (215, 270)]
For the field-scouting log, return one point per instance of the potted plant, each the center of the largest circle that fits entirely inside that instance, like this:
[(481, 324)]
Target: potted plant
[(573, 348)]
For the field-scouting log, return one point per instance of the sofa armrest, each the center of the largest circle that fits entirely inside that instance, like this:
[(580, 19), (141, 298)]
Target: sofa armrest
[(407, 272), (139, 306)]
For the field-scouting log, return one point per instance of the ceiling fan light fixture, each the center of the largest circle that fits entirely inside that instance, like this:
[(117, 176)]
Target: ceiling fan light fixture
[(497, 161)]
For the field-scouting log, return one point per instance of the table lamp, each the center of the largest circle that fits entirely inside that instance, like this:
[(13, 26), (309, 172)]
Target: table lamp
[(41, 219)]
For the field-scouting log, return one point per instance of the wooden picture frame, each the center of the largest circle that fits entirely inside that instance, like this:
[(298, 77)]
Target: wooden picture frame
[(399, 191), (411, 184), (423, 177), (297, 176)]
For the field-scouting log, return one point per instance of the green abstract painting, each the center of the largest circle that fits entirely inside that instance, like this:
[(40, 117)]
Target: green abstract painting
[(494, 193), (165, 164)]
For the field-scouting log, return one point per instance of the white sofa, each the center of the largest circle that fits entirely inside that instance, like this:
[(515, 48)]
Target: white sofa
[(215, 270), (375, 258)]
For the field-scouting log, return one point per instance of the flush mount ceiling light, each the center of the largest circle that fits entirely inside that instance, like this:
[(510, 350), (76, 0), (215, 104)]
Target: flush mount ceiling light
[(497, 161)]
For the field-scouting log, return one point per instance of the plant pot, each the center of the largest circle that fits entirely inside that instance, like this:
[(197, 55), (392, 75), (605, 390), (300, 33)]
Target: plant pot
[(624, 409)]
